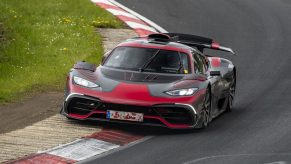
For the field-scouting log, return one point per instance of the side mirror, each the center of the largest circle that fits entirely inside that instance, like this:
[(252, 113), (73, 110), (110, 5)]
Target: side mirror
[(215, 73)]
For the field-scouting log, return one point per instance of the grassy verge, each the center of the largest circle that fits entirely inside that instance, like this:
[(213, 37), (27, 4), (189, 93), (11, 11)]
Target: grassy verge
[(41, 40)]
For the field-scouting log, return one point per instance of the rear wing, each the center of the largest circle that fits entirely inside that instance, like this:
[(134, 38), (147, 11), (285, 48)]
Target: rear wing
[(191, 40)]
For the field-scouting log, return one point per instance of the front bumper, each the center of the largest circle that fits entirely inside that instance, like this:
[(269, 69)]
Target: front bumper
[(174, 116)]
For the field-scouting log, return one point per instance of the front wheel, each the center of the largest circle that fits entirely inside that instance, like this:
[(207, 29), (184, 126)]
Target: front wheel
[(205, 114), (231, 94)]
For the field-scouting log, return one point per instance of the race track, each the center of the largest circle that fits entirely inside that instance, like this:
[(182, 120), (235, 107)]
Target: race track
[(259, 128)]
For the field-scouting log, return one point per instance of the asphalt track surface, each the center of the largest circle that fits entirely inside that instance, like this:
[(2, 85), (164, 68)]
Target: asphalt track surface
[(259, 128)]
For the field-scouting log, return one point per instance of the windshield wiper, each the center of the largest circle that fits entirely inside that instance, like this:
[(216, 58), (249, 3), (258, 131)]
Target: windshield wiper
[(141, 69), (173, 70)]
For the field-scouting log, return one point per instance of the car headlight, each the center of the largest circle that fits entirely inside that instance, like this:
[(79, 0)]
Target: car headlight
[(84, 83), (182, 92)]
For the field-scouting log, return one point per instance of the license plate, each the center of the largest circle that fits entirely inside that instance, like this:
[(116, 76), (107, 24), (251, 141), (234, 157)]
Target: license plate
[(128, 116)]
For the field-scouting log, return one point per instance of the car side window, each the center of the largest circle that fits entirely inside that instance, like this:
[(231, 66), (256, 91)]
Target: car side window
[(199, 66), (184, 61)]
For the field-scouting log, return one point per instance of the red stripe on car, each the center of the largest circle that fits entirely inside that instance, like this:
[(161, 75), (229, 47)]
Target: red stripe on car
[(215, 62), (215, 45)]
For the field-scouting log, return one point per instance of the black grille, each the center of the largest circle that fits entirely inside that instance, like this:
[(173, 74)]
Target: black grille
[(82, 106), (175, 115)]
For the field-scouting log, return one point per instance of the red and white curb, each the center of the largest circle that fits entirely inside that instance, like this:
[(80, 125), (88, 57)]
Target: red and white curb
[(102, 142), (141, 25)]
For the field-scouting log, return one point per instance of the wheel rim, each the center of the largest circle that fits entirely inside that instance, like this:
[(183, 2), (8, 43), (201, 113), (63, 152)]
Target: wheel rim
[(231, 93), (206, 112)]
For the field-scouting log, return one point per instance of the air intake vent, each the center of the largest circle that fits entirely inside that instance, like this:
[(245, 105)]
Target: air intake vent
[(159, 37), (82, 106), (175, 115)]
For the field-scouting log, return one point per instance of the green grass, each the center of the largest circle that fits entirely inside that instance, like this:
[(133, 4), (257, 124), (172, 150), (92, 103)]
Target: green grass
[(43, 39)]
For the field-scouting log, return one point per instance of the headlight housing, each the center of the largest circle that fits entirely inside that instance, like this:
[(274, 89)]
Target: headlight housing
[(182, 92), (84, 83)]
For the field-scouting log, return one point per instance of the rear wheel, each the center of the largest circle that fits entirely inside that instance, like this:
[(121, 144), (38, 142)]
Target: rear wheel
[(205, 114), (231, 94)]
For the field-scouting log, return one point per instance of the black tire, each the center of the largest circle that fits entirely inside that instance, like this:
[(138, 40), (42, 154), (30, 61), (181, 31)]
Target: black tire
[(71, 119), (205, 115), (231, 94)]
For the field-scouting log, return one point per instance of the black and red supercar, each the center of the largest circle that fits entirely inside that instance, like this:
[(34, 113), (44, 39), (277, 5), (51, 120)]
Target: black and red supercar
[(162, 80)]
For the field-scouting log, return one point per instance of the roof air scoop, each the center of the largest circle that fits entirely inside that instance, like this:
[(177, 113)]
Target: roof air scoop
[(159, 37)]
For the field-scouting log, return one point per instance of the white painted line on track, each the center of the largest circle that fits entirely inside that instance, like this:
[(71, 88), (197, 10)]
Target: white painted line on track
[(198, 160)]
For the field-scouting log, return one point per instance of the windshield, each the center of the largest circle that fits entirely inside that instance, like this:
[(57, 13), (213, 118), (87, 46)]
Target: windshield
[(148, 60)]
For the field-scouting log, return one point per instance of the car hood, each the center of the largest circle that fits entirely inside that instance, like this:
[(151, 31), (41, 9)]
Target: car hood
[(133, 76), (128, 83)]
